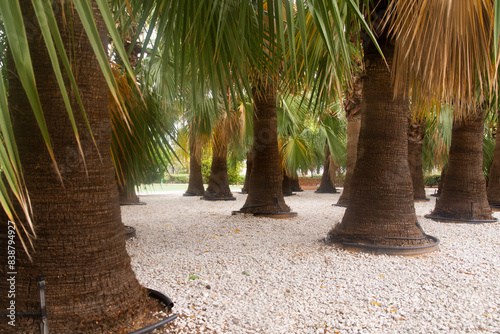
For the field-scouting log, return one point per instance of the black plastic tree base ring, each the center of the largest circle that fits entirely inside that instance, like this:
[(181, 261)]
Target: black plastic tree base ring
[(340, 205), (495, 206), (435, 195), (392, 250), (129, 231), (274, 215), (218, 198), (457, 220), (131, 203), (169, 304), (191, 194), (325, 192), (421, 199)]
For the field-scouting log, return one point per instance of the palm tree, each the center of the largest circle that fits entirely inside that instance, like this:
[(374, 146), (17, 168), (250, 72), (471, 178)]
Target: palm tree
[(464, 182), (459, 70), (352, 106), (265, 193), (195, 186), (218, 182), (493, 189), (373, 221), (416, 133), (327, 184), (80, 245)]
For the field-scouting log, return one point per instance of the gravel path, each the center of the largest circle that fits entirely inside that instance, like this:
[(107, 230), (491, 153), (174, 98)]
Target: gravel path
[(242, 274)]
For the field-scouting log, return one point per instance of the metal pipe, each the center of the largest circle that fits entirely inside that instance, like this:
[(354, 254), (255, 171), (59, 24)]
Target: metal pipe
[(44, 324)]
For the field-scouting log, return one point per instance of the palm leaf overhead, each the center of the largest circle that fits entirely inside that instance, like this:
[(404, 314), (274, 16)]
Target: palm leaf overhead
[(12, 186), (142, 131), (222, 41), (444, 49)]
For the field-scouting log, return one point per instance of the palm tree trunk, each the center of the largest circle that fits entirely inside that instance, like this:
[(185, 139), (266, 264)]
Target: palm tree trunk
[(244, 190), (265, 193), (380, 210), (195, 186), (218, 182), (327, 184), (287, 185), (464, 181), (416, 133), (80, 245), (352, 107), (493, 189), (295, 185)]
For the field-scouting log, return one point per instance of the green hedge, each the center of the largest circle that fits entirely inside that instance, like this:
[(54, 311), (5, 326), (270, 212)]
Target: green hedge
[(176, 178), (432, 180)]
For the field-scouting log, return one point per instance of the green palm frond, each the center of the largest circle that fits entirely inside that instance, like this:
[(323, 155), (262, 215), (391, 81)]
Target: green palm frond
[(437, 139), (141, 133), (12, 185)]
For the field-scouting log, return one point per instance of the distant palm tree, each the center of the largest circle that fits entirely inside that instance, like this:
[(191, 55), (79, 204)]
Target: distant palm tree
[(416, 133)]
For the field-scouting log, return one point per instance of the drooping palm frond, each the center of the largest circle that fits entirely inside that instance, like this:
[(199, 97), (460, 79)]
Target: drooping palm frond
[(41, 13), (334, 127), (141, 131), (437, 139), (444, 50)]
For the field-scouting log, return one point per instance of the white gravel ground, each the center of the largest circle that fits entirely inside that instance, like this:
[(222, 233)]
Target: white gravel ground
[(242, 274)]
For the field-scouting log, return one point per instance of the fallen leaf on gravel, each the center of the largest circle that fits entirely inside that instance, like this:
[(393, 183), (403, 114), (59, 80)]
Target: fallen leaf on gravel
[(374, 303)]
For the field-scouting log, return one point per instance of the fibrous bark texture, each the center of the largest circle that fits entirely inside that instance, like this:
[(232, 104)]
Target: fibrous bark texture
[(464, 181), (416, 132), (218, 182), (195, 186), (493, 189), (327, 184), (352, 107), (244, 190), (80, 244), (381, 210), (265, 193), (287, 185), (295, 185)]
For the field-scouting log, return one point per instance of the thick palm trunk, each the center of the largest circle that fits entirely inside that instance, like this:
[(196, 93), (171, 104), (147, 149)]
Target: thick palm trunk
[(380, 210), (416, 133), (327, 184), (353, 108), (80, 245), (195, 186), (218, 182), (244, 190), (295, 184), (493, 189), (287, 185), (127, 195), (464, 181), (265, 193)]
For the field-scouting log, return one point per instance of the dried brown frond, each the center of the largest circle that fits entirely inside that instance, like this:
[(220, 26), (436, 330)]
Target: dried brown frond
[(444, 50)]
